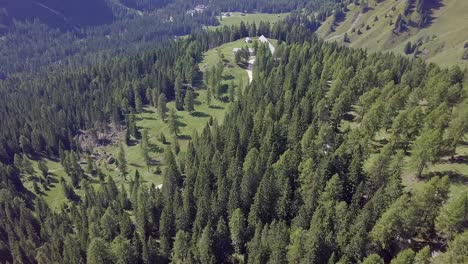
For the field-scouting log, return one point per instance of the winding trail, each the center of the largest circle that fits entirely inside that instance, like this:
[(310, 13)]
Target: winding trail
[(353, 25), (50, 9), (249, 69)]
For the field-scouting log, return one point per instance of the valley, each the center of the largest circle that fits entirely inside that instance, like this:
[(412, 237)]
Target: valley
[(250, 131)]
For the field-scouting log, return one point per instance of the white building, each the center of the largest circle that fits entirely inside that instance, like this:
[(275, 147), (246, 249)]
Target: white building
[(264, 40)]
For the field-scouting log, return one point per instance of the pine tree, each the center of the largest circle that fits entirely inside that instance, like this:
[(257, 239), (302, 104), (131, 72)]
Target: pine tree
[(99, 252), (423, 256), (122, 161), (173, 123), (43, 168), (181, 247), (456, 251), (208, 96), (404, 257), (188, 101), (155, 97), (425, 150), (72, 250), (237, 228), (222, 241), (232, 92), (205, 246), (373, 259), (179, 101), (408, 48), (138, 103), (144, 145), (167, 230), (162, 108), (453, 216), (121, 249)]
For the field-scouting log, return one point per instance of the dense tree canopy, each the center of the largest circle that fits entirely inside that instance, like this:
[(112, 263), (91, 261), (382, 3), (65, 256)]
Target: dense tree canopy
[(282, 179)]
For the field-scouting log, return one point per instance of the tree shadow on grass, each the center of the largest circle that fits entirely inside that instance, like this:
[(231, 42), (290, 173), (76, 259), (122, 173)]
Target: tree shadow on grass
[(181, 124), (200, 114), (147, 111), (216, 107), (93, 180), (155, 148), (132, 143), (135, 165), (184, 137), (228, 77), (155, 162), (454, 176), (461, 159), (52, 179), (348, 117)]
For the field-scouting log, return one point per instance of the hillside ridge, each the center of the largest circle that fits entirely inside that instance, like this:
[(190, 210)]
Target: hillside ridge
[(440, 38)]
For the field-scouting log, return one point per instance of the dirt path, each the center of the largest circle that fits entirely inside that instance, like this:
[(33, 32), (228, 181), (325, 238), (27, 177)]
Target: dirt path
[(250, 68), (353, 25)]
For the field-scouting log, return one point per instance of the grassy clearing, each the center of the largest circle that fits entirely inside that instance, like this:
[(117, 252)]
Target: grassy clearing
[(149, 119), (456, 170), (236, 18)]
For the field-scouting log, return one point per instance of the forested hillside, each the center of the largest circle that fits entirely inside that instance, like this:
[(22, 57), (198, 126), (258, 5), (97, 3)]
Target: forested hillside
[(60, 14), (307, 166)]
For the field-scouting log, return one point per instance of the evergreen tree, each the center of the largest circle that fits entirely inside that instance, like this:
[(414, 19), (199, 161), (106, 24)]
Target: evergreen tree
[(408, 48), (188, 101), (144, 145), (122, 161), (237, 228), (208, 96), (138, 103), (404, 257), (426, 149), (173, 123), (43, 168), (423, 256), (162, 108), (232, 92), (99, 252), (373, 259), (456, 251), (453, 216), (179, 100), (122, 250), (222, 242), (181, 247), (205, 246)]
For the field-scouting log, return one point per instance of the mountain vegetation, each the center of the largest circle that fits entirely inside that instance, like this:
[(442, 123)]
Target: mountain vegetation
[(435, 28), (327, 156)]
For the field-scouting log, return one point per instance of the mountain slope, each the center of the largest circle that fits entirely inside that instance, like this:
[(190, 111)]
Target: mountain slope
[(440, 39), (73, 13)]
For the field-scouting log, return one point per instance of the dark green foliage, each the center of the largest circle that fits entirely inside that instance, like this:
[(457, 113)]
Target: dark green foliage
[(408, 48), (122, 161), (456, 252), (465, 54), (144, 145), (280, 180), (189, 101), (99, 252), (162, 108), (173, 123)]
